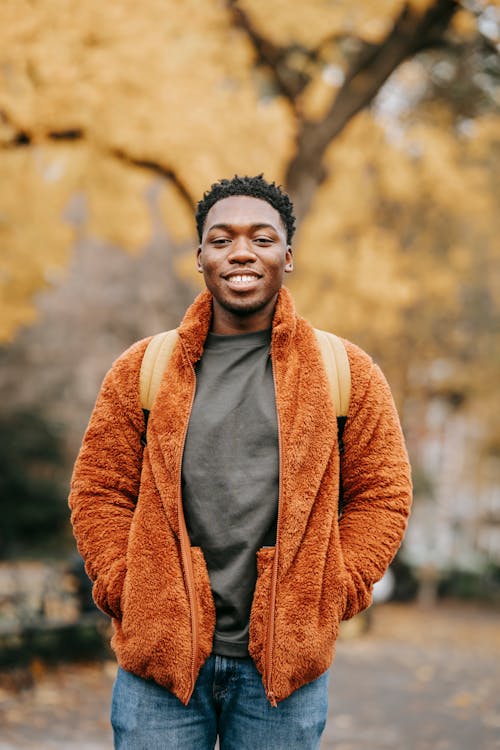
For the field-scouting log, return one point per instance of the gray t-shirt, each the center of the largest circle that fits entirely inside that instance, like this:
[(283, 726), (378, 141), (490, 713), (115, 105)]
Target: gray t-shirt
[(230, 475)]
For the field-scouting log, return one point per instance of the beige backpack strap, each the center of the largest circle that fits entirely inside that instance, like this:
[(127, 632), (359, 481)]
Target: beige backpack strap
[(337, 369), (154, 364)]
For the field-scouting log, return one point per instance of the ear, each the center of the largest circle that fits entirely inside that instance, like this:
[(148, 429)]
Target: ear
[(288, 260), (199, 265)]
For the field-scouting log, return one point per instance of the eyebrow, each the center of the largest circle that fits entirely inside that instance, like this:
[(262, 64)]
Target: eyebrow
[(230, 227)]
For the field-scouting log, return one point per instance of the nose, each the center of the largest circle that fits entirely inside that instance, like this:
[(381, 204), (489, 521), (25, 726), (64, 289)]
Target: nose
[(241, 251)]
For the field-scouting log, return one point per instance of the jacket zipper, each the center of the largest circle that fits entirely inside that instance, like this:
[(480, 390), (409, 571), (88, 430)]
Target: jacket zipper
[(274, 582), (186, 558)]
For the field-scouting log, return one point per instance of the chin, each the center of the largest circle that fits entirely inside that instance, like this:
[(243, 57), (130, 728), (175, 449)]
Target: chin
[(244, 307)]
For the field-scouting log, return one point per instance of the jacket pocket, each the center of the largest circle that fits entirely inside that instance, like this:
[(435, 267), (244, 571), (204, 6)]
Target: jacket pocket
[(259, 616), (107, 590), (358, 595)]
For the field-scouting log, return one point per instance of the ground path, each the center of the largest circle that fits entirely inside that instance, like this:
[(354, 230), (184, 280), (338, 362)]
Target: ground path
[(419, 680)]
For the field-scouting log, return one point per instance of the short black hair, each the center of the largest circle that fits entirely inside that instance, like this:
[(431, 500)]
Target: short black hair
[(255, 187)]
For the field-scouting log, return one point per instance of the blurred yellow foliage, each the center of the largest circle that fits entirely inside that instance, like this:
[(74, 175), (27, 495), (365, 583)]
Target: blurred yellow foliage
[(176, 213), (399, 227), (311, 23), (35, 244), (158, 89), (464, 23), (118, 212), (343, 252), (445, 174), (169, 84)]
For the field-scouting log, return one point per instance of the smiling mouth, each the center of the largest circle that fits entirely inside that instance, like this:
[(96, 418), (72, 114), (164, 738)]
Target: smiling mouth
[(242, 279)]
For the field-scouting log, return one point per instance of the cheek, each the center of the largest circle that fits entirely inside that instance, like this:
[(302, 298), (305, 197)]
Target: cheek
[(277, 269), (205, 264), (210, 274), (210, 269)]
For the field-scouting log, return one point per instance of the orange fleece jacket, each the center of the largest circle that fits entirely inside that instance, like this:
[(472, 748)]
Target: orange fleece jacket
[(126, 511)]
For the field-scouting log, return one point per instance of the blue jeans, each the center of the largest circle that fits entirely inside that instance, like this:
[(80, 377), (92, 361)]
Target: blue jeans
[(228, 701)]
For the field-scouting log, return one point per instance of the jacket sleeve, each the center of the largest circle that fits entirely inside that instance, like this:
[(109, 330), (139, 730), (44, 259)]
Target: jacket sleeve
[(106, 478), (376, 481)]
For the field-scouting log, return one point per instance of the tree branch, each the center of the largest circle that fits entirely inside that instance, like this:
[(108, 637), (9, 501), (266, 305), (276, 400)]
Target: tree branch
[(289, 82), (289, 79), (163, 172), (22, 138), (411, 32)]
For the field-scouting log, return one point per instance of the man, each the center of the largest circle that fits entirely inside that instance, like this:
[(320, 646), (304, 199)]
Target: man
[(217, 550)]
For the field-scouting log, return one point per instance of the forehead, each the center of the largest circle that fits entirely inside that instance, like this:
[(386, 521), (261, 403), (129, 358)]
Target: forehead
[(243, 210)]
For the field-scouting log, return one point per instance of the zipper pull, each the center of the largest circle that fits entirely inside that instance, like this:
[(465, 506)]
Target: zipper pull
[(271, 698)]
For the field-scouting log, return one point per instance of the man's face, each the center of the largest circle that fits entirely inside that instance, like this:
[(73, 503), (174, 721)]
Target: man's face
[(243, 256)]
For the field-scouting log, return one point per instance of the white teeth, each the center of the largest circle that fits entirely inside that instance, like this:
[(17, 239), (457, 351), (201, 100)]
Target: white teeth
[(242, 279)]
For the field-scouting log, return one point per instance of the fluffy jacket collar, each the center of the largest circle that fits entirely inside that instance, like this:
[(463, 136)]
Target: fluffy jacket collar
[(196, 323)]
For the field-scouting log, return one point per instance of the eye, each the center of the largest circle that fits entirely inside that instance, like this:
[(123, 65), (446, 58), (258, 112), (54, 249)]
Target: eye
[(264, 241), (220, 241)]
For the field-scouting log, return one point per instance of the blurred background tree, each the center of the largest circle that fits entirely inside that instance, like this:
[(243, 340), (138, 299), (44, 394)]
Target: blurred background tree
[(380, 119)]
